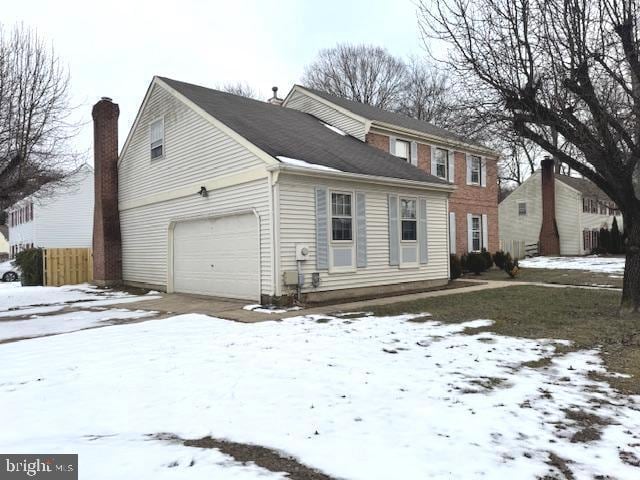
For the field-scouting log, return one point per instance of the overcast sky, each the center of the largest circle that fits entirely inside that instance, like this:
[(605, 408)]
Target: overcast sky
[(114, 48)]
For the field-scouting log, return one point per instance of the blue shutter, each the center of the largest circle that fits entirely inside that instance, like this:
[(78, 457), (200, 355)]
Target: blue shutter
[(322, 240), (394, 237), (422, 229), (361, 230)]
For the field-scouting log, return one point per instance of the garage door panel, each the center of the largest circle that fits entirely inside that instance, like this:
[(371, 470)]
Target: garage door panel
[(218, 257)]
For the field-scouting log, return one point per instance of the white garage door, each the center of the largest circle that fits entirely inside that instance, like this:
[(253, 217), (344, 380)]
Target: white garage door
[(218, 257)]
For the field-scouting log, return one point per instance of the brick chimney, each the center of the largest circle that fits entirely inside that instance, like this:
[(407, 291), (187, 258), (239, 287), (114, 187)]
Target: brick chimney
[(107, 244), (549, 237)]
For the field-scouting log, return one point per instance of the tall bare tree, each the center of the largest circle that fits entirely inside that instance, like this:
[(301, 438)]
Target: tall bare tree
[(571, 66), (424, 94), (364, 73), (242, 89), (34, 114)]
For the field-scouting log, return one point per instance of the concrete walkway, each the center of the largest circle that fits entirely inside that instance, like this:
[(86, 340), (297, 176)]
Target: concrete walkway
[(177, 303)]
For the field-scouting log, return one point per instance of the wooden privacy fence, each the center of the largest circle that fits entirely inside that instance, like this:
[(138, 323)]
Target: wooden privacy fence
[(67, 266)]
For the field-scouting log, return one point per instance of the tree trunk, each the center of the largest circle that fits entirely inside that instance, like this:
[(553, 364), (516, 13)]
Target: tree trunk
[(631, 287)]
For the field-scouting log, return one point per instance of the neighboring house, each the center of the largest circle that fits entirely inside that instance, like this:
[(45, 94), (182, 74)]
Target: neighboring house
[(576, 206), (4, 242), (226, 196), (473, 206), (59, 215)]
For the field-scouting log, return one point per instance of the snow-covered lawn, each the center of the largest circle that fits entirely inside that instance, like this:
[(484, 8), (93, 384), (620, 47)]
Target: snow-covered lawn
[(366, 398), (613, 265)]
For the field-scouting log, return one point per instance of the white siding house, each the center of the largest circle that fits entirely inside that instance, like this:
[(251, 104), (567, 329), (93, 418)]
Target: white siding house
[(520, 214), (60, 215), (233, 203)]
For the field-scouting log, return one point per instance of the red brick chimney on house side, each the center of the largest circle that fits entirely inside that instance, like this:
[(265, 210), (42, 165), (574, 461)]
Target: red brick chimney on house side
[(107, 244), (549, 237)]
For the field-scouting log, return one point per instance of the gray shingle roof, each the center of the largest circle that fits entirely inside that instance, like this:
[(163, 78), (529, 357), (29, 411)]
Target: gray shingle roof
[(584, 186), (285, 132), (377, 114)]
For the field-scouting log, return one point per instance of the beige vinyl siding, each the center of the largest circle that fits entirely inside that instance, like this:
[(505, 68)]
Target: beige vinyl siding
[(329, 115), (194, 150), (594, 221), (521, 228), (568, 219), (145, 230), (297, 225)]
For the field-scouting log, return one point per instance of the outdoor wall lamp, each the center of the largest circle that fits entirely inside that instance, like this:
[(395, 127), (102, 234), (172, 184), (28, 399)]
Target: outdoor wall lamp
[(203, 192)]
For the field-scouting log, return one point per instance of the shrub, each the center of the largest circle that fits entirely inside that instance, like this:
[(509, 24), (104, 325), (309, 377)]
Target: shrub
[(499, 258), (455, 266), (488, 261), (615, 238), (463, 262), (598, 251), (30, 263), (605, 240), (476, 263), (511, 266)]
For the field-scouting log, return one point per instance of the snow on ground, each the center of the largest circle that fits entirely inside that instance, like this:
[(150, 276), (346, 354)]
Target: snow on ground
[(66, 322), (370, 398), (269, 308), (13, 295), (592, 263), (301, 163)]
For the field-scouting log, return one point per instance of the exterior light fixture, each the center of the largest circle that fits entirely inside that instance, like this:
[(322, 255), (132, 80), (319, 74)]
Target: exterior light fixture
[(203, 192)]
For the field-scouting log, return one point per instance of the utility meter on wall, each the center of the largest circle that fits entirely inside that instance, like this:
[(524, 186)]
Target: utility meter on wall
[(302, 251)]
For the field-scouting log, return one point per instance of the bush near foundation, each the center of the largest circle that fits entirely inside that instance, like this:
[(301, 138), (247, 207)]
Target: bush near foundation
[(30, 263)]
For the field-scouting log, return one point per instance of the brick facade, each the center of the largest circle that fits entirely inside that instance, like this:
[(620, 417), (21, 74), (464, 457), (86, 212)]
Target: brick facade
[(107, 244), (466, 199)]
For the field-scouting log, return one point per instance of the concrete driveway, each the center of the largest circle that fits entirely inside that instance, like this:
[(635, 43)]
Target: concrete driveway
[(178, 303)]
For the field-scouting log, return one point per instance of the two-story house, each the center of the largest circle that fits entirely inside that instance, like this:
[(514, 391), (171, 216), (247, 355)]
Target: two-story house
[(560, 213), (473, 206), (59, 215)]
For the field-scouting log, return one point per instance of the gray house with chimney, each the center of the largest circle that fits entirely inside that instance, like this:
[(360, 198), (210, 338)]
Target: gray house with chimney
[(217, 194), (560, 214)]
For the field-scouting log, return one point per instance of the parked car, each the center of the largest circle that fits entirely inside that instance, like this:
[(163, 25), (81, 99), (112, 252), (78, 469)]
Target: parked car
[(9, 272)]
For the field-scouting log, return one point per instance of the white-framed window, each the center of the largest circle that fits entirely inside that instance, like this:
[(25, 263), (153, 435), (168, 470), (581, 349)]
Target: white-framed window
[(522, 208), (156, 138), (341, 217), (408, 219), (442, 163), (476, 233), (476, 169), (403, 150)]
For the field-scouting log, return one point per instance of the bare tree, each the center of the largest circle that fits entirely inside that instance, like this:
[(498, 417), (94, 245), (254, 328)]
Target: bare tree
[(242, 89), (34, 115), (424, 94), (570, 66), (363, 73)]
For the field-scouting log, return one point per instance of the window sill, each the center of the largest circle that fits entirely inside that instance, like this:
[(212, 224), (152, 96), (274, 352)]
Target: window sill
[(339, 270), (409, 266)]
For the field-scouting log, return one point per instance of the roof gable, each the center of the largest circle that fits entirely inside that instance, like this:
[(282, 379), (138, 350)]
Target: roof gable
[(384, 117)]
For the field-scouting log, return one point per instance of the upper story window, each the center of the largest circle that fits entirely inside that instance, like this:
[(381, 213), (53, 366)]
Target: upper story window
[(522, 208), (403, 150), (442, 163), (476, 169), (341, 217), (408, 217), (156, 138)]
